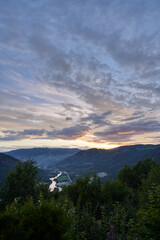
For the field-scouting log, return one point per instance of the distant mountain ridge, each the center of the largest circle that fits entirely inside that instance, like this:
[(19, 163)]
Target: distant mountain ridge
[(88, 161), (110, 161), (45, 157)]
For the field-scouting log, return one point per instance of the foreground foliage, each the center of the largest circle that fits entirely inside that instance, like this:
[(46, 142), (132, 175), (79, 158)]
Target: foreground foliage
[(31, 221), (123, 209)]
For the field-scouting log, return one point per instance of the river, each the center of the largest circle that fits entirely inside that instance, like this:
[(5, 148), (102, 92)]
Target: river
[(53, 184)]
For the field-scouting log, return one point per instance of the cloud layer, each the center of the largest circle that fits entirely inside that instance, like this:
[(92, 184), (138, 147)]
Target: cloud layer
[(88, 68)]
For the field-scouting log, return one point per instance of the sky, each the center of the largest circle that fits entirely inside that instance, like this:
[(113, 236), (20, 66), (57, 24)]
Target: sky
[(79, 73)]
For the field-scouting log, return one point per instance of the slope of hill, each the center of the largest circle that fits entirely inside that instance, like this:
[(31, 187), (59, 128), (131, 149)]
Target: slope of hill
[(156, 155), (9, 163), (45, 157), (110, 161), (6, 163)]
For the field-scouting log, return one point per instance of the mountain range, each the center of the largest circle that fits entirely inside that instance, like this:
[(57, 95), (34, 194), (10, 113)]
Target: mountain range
[(109, 161), (77, 162), (44, 157)]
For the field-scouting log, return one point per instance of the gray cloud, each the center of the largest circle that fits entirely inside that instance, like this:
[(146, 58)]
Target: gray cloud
[(69, 133), (71, 107), (75, 50), (94, 119), (126, 131), (68, 119), (17, 135), (72, 69), (134, 117)]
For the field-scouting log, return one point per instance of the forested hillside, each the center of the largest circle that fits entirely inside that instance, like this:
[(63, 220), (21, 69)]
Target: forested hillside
[(109, 161), (6, 163)]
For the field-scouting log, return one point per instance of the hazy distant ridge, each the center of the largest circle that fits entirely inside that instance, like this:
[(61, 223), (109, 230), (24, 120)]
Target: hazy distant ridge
[(45, 157)]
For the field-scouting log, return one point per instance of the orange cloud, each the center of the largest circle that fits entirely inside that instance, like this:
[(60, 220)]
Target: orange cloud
[(123, 133)]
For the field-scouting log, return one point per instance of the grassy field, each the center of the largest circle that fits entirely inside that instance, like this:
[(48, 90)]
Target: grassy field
[(62, 179)]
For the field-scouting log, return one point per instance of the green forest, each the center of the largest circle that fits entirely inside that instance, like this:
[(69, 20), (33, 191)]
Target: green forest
[(125, 208)]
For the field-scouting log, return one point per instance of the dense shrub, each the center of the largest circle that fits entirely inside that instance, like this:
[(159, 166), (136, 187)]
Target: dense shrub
[(45, 220)]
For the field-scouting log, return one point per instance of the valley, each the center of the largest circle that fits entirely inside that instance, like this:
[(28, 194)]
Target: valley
[(105, 163)]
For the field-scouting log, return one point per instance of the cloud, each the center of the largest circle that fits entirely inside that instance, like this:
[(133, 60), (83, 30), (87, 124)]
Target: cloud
[(70, 133), (134, 117), (68, 119), (126, 131), (68, 62), (9, 135), (94, 119), (87, 53)]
